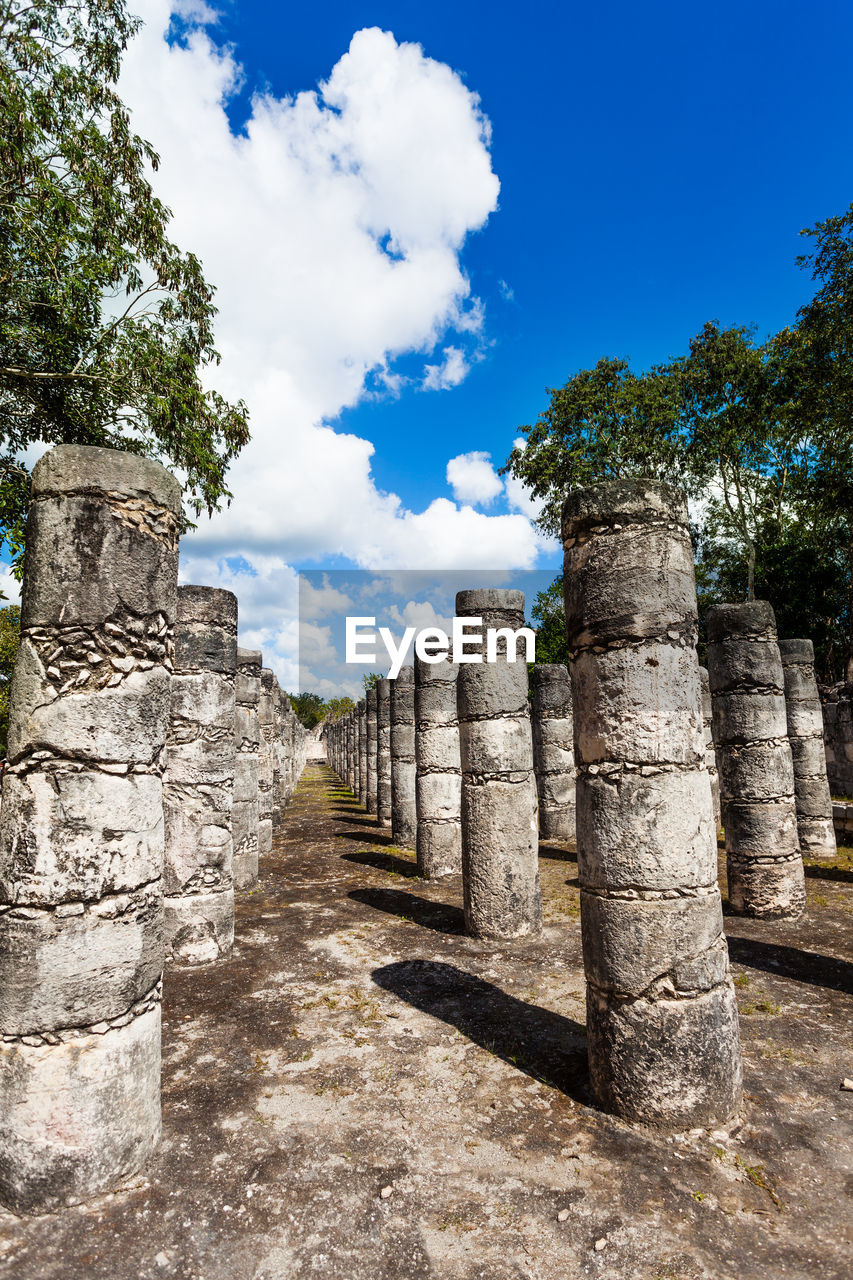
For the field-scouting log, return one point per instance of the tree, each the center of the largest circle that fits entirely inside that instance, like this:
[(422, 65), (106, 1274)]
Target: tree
[(605, 422), (548, 612), (106, 326), (309, 707), (10, 638), (338, 707)]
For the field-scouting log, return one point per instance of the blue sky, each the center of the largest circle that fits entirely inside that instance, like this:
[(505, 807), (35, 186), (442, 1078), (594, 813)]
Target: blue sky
[(656, 164), (419, 216)]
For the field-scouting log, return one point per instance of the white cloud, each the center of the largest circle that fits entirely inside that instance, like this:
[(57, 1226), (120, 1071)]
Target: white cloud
[(472, 478), (332, 227), (449, 373)]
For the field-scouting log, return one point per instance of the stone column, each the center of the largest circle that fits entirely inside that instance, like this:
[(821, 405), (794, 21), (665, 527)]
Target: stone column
[(500, 833), (837, 705), (662, 1029), (383, 751), (265, 764), (244, 814), (277, 752), (765, 866), (404, 820), (350, 762), (199, 782), (805, 734), (372, 752), (362, 751), (710, 753), (81, 835), (553, 750), (439, 770)]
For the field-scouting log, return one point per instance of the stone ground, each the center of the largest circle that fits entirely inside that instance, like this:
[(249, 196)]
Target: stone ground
[(362, 1093)]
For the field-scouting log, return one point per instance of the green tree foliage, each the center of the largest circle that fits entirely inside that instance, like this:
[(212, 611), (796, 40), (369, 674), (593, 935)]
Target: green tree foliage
[(310, 708), (337, 707), (549, 616), (10, 638), (106, 326), (759, 434)]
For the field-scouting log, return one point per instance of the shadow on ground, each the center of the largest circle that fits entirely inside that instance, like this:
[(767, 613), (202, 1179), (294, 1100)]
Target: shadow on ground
[(545, 1045), (380, 837), (396, 902), (383, 862), (789, 962)]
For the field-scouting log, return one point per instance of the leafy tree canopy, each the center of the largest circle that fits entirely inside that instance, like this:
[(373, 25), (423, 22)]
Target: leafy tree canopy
[(310, 708), (106, 326), (759, 434), (10, 636)]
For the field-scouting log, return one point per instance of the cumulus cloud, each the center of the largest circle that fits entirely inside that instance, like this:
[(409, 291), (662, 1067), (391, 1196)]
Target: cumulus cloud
[(452, 370), (472, 478), (332, 225)]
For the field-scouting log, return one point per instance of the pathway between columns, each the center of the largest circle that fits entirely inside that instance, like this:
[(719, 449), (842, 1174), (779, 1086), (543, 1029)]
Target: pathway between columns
[(360, 1092)]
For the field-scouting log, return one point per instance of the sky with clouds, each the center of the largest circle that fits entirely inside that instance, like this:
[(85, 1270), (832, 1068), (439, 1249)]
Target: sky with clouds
[(419, 217)]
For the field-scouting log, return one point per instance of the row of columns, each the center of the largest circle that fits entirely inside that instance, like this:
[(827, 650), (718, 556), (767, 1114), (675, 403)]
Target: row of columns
[(130, 809), (639, 754)]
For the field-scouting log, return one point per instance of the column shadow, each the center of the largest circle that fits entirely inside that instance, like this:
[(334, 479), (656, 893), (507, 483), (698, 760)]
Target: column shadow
[(842, 874), (545, 1045), (383, 862), (557, 853), (367, 837), (437, 916), (361, 820), (789, 962)]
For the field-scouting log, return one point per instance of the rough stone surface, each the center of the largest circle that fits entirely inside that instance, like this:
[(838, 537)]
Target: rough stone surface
[(710, 753), (404, 818), (266, 728), (362, 751), (837, 707), (81, 832), (372, 747), (553, 750), (439, 770), (356, 1039), (245, 813), (805, 734), (198, 786), (661, 1014), (383, 751), (754, 759), (500, 874)]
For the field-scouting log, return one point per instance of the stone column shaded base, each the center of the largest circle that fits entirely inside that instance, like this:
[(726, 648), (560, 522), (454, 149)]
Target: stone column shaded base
[(81, 1111), (666, 1063)]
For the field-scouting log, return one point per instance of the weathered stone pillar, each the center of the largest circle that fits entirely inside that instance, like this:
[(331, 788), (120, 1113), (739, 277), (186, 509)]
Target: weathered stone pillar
[(81, 836), (277, 752), (837, 706), (383, 750), (805, 734), (710, 753), (244, 814), (404, 819), (265, 764), (765, 866), (439, 770), (661, 1015), (553, 750), (199, 781), (372, 727), (500, 833), (362, 751), (351, 754)]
